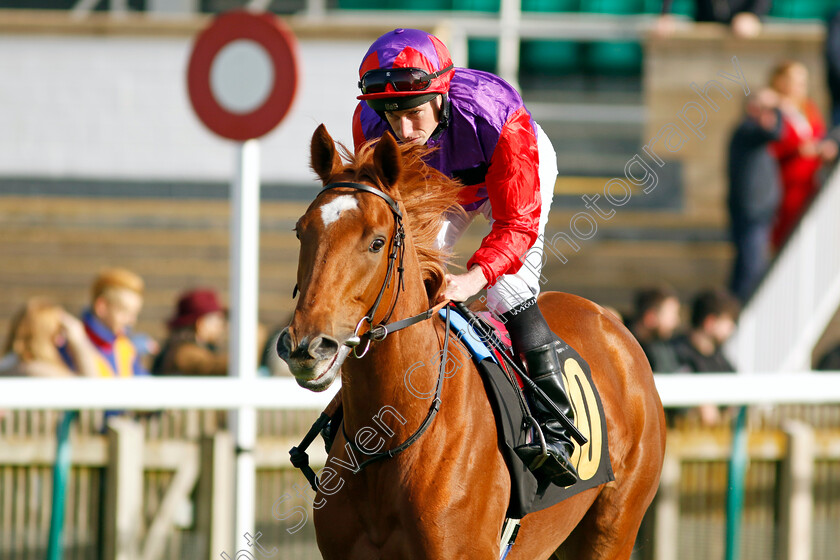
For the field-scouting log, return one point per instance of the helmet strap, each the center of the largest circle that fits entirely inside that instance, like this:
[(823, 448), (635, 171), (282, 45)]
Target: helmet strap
[(443, 116)]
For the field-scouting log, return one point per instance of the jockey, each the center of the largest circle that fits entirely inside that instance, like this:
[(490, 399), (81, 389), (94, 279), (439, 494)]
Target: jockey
[(486, 138)]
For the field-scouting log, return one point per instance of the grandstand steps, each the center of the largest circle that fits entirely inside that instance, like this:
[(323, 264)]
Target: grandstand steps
[(54, 246), (594, 133)]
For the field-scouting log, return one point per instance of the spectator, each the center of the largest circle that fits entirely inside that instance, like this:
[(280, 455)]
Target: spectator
[(656, 318), (35, 336), (713, 315), (832, 63), (117, 297), (743, 16), (801, 148), (197, 333), (147, 348), (830, 361), (754, 190)]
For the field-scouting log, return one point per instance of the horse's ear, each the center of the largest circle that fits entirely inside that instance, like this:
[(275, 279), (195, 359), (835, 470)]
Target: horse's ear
[(388, 160), (325, 159)]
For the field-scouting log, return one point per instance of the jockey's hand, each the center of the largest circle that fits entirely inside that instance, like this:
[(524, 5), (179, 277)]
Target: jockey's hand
[(460, 287)]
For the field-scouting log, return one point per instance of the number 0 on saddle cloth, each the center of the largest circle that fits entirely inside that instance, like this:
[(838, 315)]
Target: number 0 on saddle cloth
[(592, 460)]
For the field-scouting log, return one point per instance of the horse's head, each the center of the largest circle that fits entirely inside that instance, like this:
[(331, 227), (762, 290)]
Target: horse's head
[(346, 237)]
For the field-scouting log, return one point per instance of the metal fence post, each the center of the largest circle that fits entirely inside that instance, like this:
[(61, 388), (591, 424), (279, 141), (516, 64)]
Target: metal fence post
[(738, 462), (61, 472)]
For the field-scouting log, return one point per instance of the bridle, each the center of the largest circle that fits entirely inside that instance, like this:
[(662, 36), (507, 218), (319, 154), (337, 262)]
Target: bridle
[(395, 256), (397, 251), (379, 332), (298, 454)]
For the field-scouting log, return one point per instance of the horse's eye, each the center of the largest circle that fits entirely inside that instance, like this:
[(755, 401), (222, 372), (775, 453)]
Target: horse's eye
[(297, 233), (377, 245)]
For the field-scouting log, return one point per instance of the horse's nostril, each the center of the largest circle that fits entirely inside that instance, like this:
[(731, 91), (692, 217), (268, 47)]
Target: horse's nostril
[(284, 344), (323, 347)]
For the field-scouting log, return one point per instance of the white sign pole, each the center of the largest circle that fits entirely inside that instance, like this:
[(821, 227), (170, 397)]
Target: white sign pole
[(244, 286), (242, 77)]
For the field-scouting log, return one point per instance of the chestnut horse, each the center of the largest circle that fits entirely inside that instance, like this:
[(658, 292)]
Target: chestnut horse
[(445, 495)]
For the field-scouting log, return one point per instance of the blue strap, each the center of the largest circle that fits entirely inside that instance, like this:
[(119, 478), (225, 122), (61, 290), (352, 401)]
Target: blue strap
[(471, 339)]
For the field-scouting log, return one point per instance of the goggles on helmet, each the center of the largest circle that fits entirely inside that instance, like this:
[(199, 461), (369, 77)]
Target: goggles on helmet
[(401, 79)]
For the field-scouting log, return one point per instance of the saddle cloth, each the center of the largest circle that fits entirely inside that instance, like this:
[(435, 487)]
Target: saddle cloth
[(592, 460)]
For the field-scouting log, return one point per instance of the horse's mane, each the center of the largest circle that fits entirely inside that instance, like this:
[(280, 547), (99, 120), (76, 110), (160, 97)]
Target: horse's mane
[(427, 194)]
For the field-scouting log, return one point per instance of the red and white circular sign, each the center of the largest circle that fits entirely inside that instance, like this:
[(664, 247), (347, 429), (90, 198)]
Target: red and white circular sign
[(242, 74)]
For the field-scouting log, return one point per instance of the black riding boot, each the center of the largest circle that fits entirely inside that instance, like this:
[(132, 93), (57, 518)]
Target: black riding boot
[(544, 368), (534, 341)]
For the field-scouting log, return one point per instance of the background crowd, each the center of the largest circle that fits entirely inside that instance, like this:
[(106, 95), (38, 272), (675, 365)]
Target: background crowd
[(778, 156), (45, 340)]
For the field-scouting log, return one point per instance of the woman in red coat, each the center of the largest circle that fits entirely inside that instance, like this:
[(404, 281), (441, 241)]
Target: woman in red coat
[(801, 148)]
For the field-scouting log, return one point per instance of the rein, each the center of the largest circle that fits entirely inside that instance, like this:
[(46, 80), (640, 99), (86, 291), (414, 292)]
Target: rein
[(430, 416), (378, 332)]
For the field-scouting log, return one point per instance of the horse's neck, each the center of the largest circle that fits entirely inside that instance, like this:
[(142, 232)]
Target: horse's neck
[(397, 377), (386, 377)]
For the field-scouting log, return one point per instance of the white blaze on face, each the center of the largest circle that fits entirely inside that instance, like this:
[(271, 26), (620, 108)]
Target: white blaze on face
[(332, 210)]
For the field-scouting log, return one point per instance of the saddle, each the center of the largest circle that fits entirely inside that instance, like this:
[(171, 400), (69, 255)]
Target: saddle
[(504, 390)]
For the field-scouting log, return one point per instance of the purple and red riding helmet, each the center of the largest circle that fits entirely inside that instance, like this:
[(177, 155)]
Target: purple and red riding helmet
[(404, 68)]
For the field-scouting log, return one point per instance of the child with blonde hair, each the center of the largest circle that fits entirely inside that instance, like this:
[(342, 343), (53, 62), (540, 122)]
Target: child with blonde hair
[(116, 301), (37, 333)]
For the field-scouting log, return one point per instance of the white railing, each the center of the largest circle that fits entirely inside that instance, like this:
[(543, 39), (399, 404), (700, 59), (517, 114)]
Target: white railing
[(283, 393), (161, 393), (793, 305)]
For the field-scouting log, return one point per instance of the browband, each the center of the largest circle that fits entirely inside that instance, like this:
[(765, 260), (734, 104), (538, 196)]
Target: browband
[(361, 187)]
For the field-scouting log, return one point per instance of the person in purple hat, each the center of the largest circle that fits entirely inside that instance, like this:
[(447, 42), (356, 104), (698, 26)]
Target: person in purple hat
[(197, 332), (485, 137)]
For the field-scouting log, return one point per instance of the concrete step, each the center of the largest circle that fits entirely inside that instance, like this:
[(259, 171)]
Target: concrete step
[(55, 245)]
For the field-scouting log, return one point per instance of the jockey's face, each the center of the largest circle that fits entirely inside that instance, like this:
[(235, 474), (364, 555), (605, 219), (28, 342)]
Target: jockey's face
[(415, 125)]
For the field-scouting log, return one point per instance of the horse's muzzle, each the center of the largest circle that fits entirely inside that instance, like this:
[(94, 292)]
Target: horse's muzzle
[(309, 353)]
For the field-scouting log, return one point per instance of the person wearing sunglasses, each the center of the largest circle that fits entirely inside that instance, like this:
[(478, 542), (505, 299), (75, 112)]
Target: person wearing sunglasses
[(485, 137)]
